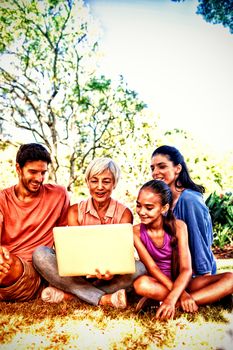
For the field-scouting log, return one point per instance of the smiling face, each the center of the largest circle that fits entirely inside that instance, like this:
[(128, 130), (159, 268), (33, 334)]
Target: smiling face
[(32, 175), (149, 207), (163, 169), (101, 186)]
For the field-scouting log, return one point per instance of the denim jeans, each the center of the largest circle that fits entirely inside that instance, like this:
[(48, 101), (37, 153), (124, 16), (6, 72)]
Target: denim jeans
[(45, 262)]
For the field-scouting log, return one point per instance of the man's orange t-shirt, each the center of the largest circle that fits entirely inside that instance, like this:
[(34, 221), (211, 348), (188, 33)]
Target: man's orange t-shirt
[(26, 226)]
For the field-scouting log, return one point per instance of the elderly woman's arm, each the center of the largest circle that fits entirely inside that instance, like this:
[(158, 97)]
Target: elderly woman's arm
[(127, 217)]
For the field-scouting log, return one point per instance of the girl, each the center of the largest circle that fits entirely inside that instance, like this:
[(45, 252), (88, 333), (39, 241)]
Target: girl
[(162, 244)]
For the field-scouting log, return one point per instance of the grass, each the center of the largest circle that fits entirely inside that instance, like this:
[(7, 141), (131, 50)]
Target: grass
[(76, 325)]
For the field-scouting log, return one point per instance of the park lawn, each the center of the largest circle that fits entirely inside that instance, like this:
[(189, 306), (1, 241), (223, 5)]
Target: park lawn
[(76, 325)]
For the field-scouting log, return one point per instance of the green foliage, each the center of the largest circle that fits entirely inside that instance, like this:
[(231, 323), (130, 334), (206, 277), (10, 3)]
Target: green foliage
[(222, 235), (216, 12), (213, 170), (7, 162), (52, 89), (100, 84), (221, 208), (221, 211)]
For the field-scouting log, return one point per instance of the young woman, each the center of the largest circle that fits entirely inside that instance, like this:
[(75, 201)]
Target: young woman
[(100, 208), (162, 245), (168, 165)]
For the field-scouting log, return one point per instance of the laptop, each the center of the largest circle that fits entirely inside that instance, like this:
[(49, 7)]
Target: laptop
[(80, 250)]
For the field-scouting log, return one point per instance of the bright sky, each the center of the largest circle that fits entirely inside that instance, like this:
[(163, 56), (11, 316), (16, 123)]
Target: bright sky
[(180, 65)]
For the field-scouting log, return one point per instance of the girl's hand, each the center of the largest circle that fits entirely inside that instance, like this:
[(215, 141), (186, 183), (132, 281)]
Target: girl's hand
[(188, 304), (165, 311)]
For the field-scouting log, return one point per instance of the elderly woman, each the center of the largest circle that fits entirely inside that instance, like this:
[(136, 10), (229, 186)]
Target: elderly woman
[(101, 177)]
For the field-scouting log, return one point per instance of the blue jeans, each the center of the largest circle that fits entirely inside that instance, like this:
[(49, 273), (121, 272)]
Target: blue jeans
[(45, 262)]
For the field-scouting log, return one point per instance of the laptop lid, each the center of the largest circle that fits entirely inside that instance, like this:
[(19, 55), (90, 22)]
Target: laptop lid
[(80, 250)]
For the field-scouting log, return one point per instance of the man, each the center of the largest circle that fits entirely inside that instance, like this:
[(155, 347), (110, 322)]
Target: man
[(28, 213)]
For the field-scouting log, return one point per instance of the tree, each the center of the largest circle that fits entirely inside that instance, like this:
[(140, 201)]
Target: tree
[(211, 169), (50, 85), (216, 12), (7, 162)]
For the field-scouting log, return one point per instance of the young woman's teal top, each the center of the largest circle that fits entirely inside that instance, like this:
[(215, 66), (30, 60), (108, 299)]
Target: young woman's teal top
[(192, 209)]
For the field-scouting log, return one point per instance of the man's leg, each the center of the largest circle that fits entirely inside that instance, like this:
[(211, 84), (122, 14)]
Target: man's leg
[(26, 282)]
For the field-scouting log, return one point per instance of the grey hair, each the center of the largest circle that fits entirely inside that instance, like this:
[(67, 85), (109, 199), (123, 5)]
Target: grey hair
[(99, 165)]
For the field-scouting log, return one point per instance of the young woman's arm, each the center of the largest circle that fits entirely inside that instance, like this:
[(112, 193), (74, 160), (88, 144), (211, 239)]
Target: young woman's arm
[(193, 211)]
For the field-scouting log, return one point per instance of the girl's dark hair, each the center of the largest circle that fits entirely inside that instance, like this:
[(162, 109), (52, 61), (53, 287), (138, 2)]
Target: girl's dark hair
[(163, 190), (31, 152), (184, 179)]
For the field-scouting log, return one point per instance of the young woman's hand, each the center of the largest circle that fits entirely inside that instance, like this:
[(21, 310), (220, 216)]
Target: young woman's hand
[(188, 304), (166, 310)]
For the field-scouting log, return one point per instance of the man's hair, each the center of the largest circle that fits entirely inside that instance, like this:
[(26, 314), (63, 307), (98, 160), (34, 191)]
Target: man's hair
[(31, 152)]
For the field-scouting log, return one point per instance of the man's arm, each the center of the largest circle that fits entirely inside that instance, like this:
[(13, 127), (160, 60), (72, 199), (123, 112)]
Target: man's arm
[(73, 215), (63, 220)]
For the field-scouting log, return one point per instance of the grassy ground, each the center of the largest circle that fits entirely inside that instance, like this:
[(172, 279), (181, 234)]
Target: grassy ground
[(76, 325)]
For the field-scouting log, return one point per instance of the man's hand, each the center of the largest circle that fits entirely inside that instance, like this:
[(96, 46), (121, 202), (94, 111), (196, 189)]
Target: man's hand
[(5, 262), (4, 253)]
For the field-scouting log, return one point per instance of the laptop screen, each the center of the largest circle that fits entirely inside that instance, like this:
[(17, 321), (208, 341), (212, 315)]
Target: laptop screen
[(80, 250)]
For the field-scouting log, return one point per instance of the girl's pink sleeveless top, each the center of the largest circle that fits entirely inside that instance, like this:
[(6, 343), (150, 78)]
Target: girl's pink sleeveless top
[(161, 255)]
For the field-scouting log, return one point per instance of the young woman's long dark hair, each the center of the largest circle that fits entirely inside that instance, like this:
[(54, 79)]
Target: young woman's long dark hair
[(184, 180), (163, 190)]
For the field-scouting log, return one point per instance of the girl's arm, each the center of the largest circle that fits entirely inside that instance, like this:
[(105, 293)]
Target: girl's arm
[(184, 276), (148, 261)]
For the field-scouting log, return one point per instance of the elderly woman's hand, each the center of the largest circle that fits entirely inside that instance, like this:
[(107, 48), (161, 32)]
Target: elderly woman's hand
[(107, 276)]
